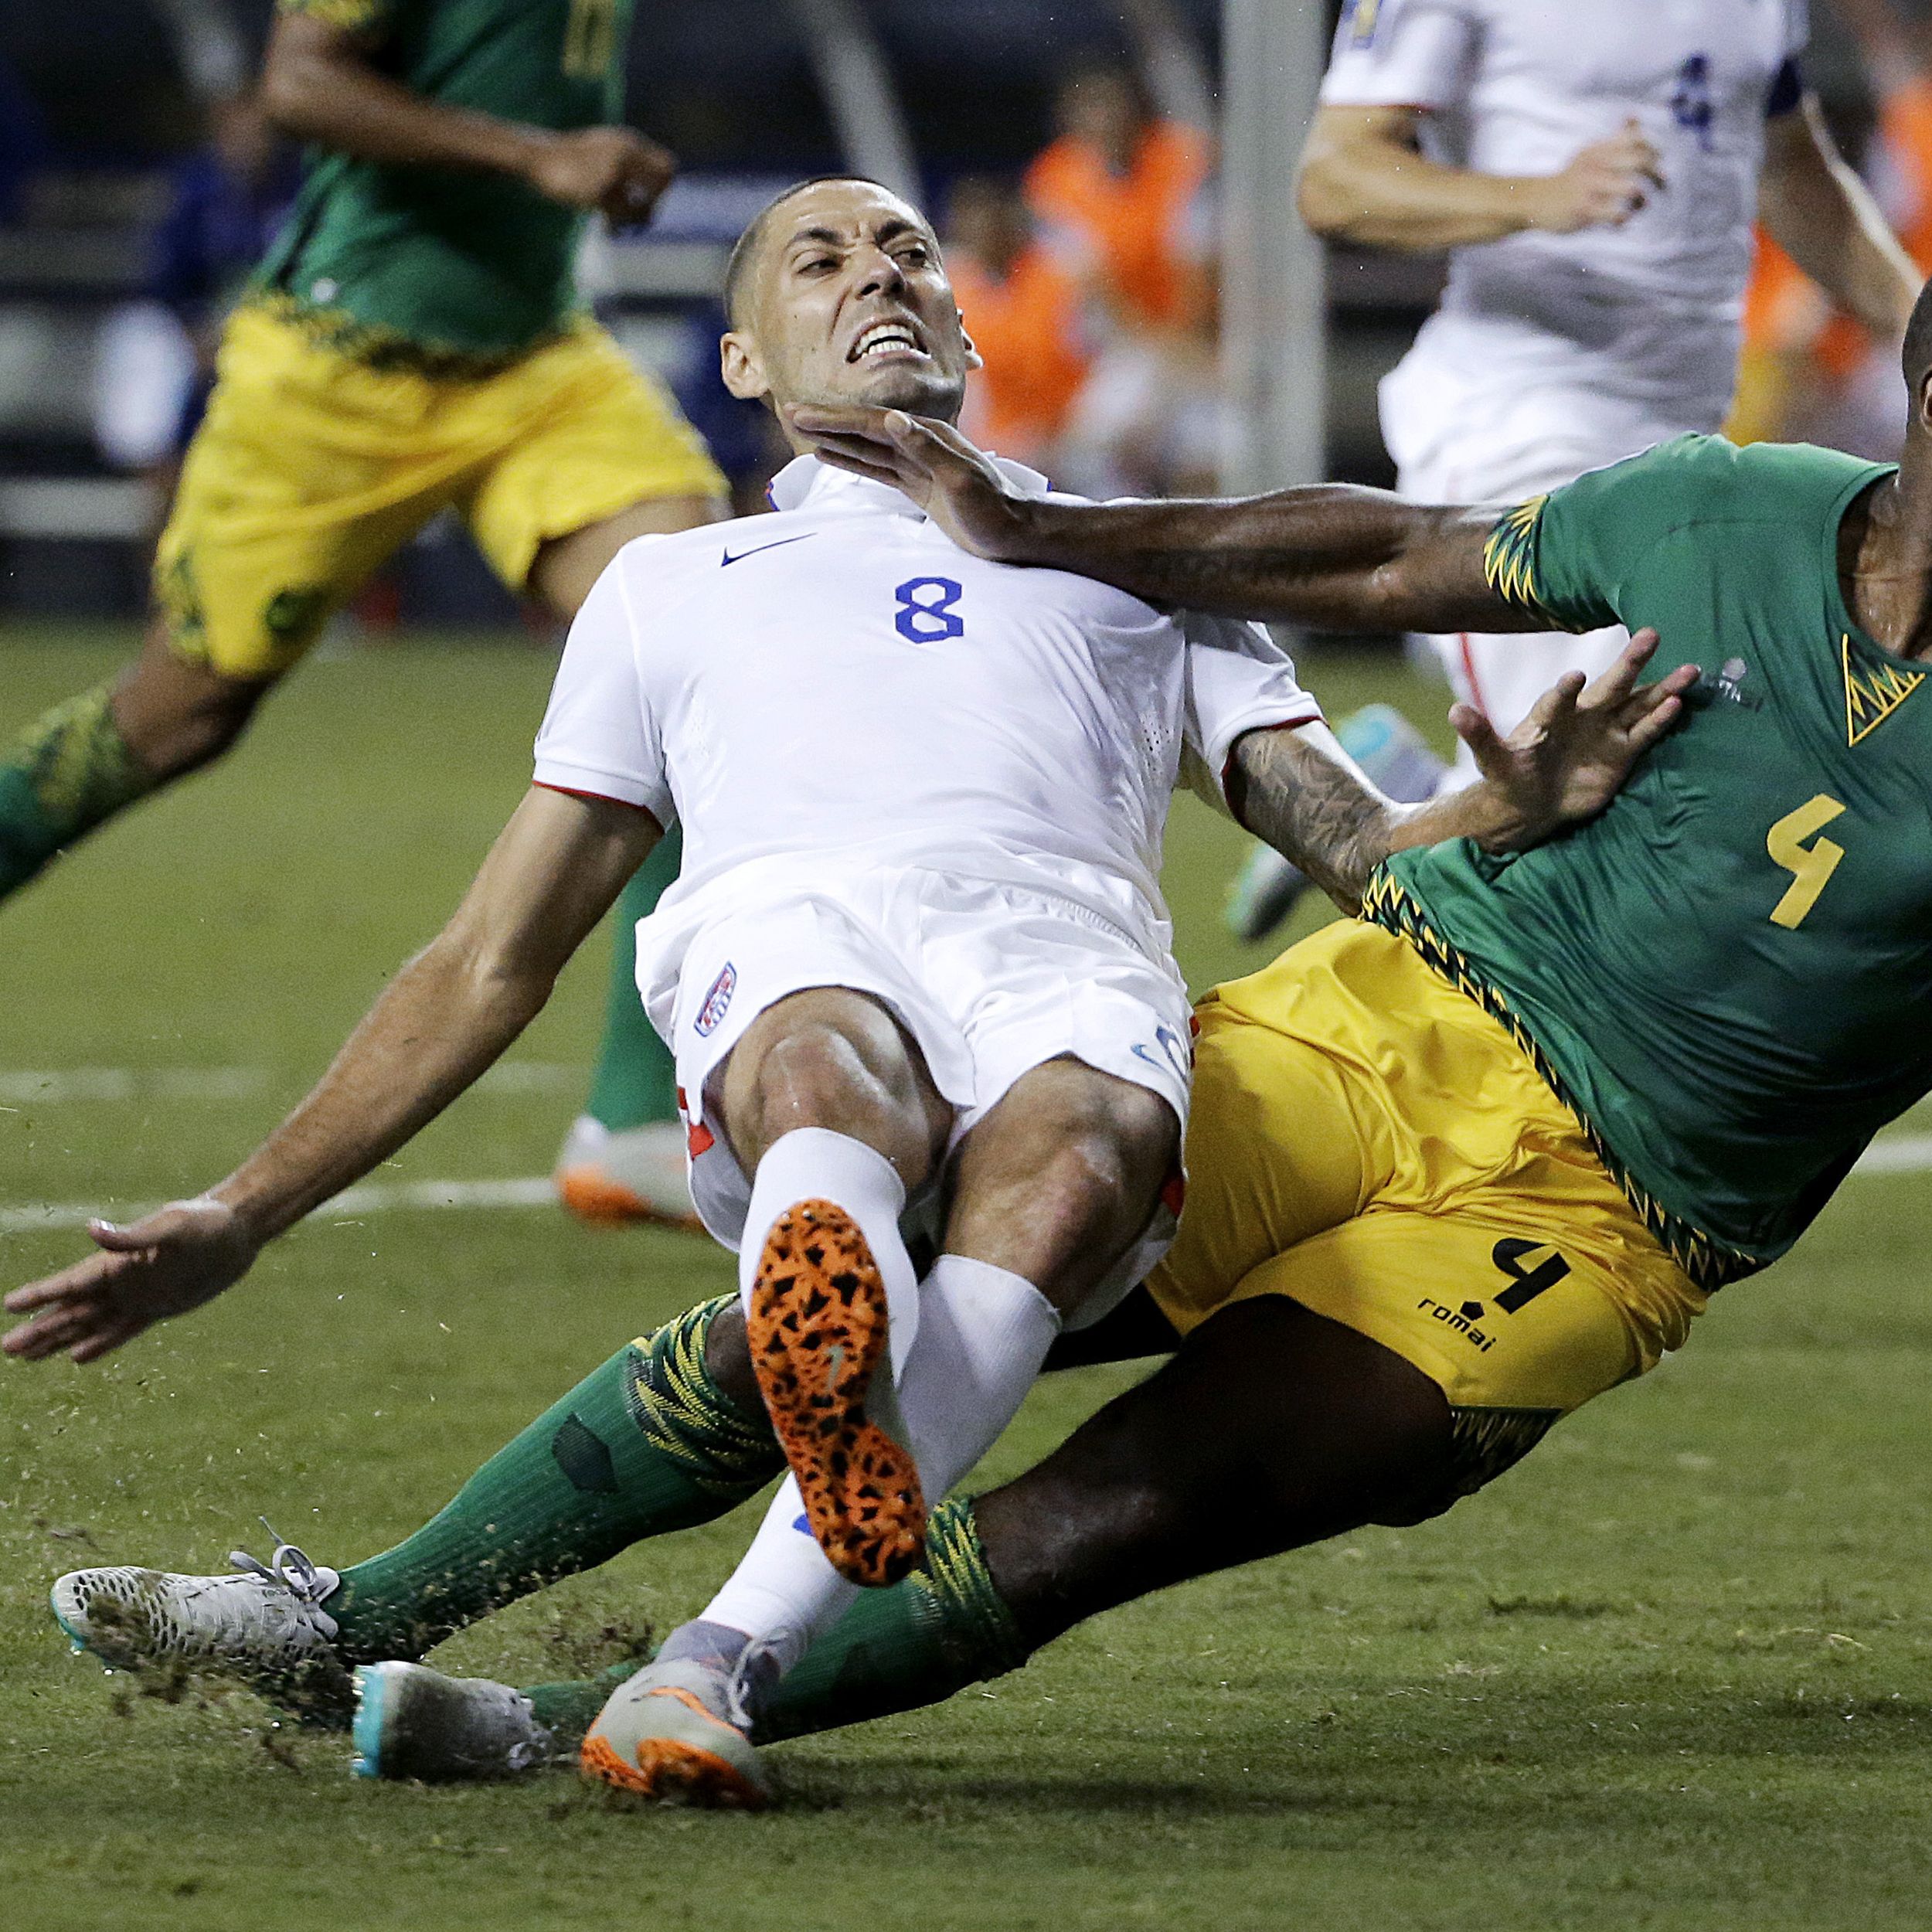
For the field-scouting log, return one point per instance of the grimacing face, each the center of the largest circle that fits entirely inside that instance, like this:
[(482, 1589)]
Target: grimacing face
[(847, 301)]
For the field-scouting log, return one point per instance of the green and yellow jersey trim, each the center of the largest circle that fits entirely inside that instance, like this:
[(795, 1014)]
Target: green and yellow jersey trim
[(352, 16), (389, 351), (1709, 1262), (1871, 693), (1510, 560)]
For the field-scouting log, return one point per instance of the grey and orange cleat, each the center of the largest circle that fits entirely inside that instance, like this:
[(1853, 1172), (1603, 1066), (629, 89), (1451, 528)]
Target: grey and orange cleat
[(680, 1732), (265, 1627), (638, 1174), (817, 1327), (412, 1721)]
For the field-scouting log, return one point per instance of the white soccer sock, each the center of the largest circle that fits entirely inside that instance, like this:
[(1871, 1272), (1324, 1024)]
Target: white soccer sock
[(983, 1334), (784, 1592), (813, 1163)]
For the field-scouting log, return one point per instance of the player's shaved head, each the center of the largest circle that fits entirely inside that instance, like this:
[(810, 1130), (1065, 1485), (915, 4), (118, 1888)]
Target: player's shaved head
[(744, 251), (836, 293), (1916, 356)]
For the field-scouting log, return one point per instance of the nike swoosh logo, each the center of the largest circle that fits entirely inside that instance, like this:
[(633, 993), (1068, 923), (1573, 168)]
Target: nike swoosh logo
[(728, 558)]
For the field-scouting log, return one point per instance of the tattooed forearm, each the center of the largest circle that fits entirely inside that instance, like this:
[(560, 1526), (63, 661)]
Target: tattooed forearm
[(1298, 790)]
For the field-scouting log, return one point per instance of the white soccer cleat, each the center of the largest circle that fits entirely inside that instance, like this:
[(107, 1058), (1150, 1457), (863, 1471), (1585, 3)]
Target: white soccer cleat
[(1266, 890), (638, 1174), (265, 1628), (412, 1721)]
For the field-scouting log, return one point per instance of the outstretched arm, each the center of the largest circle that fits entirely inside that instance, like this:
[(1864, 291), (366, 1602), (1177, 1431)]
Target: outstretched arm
[(1302, 792), (1331, 555), (319, 84), (447, 1016)]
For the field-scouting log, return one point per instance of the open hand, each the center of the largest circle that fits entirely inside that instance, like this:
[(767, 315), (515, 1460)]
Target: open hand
[(164, 1264), (613, 170), (1564, 762), (958, 486)]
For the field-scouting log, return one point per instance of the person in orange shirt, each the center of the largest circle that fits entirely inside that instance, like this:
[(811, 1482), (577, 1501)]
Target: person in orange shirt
[(1024, 313), (1120, 194), (1124, 202)]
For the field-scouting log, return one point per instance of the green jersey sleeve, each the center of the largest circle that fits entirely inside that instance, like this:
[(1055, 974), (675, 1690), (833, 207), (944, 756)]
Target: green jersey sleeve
[(1565, 558)]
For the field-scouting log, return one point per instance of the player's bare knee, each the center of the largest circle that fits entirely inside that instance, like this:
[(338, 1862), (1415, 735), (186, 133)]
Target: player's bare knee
[(826, 1071), (1088, 1199), (1085, 1188)]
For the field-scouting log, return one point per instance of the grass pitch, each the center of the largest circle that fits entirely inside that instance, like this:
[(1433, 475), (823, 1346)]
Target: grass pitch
[(1675, 1671)]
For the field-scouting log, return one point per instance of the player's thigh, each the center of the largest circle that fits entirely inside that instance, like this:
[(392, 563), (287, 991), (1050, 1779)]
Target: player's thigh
[(1061, 1175), (1275, 1151), (301, 480), (1076, 1034), (583, 436), (1516, 1331)]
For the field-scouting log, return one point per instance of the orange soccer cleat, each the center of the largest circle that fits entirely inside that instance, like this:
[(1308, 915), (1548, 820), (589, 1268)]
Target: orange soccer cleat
[(817, 1329)]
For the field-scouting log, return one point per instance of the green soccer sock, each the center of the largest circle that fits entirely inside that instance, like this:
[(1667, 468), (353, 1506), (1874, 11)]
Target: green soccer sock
[(648, 1443), (570, 1708), (944, 1628), (68, 771), (636, 1080)]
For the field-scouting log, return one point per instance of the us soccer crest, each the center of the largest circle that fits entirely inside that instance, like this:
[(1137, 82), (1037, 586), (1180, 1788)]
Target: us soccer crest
[(717, 1001)]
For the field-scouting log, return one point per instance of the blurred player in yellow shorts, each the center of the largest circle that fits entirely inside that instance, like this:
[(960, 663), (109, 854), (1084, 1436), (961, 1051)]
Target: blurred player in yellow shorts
[(314, 465), (414, 342), (1368, 1141)]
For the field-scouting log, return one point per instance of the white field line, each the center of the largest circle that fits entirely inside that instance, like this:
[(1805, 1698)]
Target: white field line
[(32, 1087), (1901, 1154), (1898, 1154), (375, 1197)]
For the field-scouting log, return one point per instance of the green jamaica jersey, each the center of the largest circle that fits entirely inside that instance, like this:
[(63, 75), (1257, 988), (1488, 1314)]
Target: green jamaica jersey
[(1728, 976), (458, 263)]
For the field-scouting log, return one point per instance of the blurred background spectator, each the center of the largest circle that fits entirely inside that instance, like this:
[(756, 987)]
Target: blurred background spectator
[(1123, 198), (1025, 313), (1809, 373)]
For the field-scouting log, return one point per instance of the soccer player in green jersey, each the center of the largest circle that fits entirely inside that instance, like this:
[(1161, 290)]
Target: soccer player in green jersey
[(1461, 1164), (414, 342)]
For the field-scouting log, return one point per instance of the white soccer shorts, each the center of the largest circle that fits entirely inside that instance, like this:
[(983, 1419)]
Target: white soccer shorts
[(990, 979)]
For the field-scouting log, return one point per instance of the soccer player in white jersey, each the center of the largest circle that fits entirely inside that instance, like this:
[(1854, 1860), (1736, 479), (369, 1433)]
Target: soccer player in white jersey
[(1593, 170), (917, 953)]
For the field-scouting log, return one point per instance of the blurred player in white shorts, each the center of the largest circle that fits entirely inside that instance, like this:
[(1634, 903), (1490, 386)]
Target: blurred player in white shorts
[(1594, 171)]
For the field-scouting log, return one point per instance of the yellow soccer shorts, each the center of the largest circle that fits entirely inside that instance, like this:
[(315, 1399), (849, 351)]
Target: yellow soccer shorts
[(1367, 1140), (313, 466)]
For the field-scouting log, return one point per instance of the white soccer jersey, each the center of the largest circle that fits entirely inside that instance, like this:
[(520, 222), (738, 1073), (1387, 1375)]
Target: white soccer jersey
[(1649, 312), (840, 683)]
